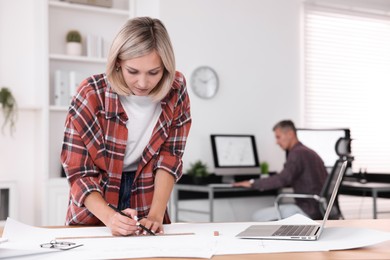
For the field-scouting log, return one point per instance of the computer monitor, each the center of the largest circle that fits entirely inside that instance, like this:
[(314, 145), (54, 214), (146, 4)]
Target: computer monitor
[(235, 154), (323, 141)]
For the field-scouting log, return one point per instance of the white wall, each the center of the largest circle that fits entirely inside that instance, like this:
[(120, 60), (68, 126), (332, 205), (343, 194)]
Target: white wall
[(254, 47), (21, 153), (252, 44)]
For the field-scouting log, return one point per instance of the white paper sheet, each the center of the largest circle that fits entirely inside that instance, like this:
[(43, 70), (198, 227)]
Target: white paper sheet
[(203, 244), (24, 239)]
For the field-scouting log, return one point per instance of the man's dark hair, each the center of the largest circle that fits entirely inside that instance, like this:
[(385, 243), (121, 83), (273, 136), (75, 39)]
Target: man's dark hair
[(284, 125)]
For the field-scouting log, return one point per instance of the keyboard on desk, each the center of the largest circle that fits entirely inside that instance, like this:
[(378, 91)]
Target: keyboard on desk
[(294, 230), (221, 185)]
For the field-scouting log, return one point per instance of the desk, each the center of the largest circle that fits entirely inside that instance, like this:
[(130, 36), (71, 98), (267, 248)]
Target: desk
[(210, 189), (379, 251), (373, 187)]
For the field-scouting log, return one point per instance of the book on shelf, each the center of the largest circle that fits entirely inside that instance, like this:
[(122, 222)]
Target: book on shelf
[(65, 85), (75, 78), (95, 46), (61, 88)]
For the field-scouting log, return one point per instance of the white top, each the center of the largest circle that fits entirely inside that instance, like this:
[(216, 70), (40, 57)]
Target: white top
[(143, 114)]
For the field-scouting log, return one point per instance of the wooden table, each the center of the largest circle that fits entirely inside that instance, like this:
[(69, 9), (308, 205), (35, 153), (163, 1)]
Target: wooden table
[(379, 251)]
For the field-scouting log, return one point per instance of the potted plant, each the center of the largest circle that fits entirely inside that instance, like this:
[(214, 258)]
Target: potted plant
[(198, 172), (9, 109), (264, 167), (73, 43)]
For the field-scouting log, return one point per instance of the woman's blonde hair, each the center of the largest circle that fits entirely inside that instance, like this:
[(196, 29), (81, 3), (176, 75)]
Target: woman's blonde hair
[(140, 36)]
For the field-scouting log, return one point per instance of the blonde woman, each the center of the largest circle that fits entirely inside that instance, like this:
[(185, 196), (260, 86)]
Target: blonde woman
[(125, 134)]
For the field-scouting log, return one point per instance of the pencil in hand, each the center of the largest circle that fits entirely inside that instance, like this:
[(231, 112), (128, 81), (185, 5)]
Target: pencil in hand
[(150, 232)]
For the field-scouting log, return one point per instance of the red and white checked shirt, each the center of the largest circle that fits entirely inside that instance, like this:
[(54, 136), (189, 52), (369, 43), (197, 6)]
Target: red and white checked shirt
[(95, 141)]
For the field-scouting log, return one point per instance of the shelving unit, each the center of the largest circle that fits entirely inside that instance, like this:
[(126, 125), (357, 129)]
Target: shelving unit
[(63, 57), (88, 20), (89, 8)]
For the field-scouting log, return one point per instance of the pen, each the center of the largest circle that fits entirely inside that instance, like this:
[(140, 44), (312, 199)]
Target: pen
[(142, 226)]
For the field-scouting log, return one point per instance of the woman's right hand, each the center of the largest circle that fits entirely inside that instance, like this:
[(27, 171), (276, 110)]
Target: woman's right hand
[(121, 225)]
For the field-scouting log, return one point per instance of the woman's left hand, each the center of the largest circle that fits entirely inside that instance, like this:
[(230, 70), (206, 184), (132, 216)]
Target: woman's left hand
[(153, 224)]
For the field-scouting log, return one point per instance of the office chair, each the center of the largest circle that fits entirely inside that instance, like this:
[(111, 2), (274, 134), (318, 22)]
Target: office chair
[(324, 196)]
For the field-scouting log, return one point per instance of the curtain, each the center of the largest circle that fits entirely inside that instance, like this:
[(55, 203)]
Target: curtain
[(347, 80)]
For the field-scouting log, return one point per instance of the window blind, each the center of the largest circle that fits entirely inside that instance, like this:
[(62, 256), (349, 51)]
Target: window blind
[(347, 80)]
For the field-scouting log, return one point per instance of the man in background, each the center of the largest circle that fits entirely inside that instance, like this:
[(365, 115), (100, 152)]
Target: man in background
[(303, 170)]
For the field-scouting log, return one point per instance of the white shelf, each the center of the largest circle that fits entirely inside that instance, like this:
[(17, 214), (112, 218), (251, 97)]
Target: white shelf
[(27, 108), (58, 109), (63, 16), (60, 181), (88, 8), (63, 57), (30, 108)]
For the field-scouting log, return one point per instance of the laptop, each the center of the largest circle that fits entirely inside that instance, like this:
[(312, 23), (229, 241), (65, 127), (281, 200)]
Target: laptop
[(294, 232)]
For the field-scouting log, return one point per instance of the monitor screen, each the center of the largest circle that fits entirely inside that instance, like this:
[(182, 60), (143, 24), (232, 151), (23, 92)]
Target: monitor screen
[(323, 141), (235, 154)]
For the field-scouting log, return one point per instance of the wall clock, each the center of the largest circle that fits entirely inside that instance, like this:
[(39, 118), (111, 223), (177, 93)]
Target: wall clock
[(204, 82)]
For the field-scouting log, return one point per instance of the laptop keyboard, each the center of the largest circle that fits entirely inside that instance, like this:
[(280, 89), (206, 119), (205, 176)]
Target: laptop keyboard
[(294, 230)]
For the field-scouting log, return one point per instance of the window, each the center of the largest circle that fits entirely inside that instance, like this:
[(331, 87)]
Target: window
[(347, 80)]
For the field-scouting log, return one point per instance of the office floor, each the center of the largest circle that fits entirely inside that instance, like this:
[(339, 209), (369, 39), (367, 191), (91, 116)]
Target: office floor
[(355, 207)]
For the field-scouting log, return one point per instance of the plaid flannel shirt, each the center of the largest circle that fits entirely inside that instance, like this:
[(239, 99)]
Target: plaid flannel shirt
[(95, 141)]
